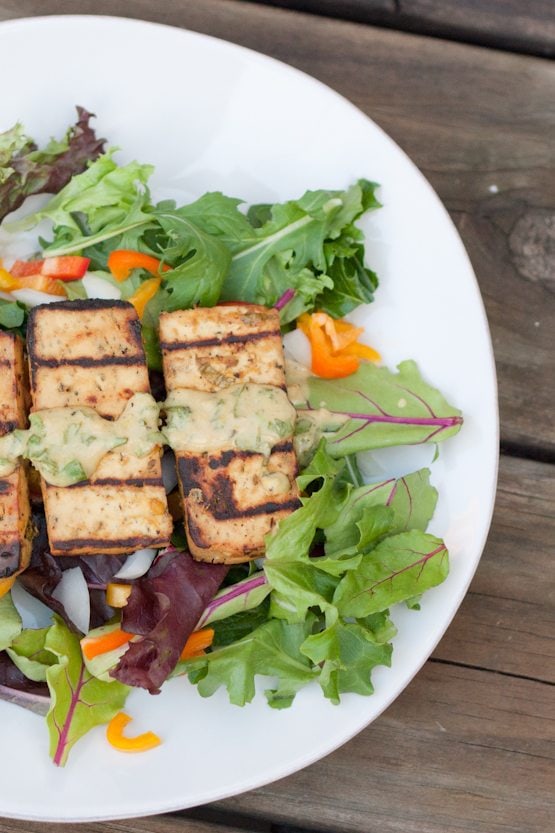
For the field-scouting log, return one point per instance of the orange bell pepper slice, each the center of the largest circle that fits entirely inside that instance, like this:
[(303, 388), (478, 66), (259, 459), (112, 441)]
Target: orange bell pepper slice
[(144, 293), (197, 642), (116, 738), (334, 346), (324, 362), (42, 283), (121, 263), (93, 646)]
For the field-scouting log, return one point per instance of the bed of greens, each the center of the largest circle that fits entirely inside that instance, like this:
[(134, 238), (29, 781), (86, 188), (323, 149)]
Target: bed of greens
[(317, 608)]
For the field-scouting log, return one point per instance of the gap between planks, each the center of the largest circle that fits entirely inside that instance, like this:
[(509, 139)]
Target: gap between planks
[(508, 25)]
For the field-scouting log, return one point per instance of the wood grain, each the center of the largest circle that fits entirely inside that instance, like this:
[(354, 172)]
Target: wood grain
[(506, 24), (486, 152), (507, 621), (460, 751), (156, 824)]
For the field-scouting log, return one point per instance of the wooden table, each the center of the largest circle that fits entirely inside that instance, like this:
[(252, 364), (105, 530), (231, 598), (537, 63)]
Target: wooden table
[(467, 745)]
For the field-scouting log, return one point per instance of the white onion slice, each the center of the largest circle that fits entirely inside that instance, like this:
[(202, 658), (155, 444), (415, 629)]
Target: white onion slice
[(73, 593), (297, 346), (169, 471), (136, 564), (33, 298), (33, 612), (97, 287)]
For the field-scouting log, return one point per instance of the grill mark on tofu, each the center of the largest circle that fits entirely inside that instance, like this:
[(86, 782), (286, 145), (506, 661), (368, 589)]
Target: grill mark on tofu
[(116, 481), (16, 529), (229, 508), (87, 361), (90, 353), (218, 342), (218, 491), (106, 545)]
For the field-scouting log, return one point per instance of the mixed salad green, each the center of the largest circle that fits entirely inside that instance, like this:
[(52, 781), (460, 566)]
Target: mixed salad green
[(317, 608)]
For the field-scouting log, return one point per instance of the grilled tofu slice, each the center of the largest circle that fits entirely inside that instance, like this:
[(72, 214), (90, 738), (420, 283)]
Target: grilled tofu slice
[(232, 498), (15, 514), (90, 353)]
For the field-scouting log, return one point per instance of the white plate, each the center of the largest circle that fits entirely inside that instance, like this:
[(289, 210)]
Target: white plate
[(214, 116)]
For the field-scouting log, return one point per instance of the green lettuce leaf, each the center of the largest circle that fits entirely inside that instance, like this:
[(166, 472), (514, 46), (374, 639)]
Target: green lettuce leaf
[(410, 502), (297, 581), (384, 409), (399, 568), (25, 170), (103, 202), (273, 649), (79, 701), (10, 621), (347, 652), (28, 652)]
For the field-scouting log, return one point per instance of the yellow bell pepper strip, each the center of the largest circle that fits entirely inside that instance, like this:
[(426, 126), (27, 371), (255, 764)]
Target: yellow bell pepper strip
[(197, 642), (92, 646), (116, 738), (117, 594), (6, 585), (121, 263), (363, 351), (144, 293), (8, 282)]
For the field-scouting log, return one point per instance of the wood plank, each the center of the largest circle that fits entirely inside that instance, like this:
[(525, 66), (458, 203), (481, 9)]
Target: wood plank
[(483, 150), (461, 751), (174, 823), (505, 24), (507, 621)]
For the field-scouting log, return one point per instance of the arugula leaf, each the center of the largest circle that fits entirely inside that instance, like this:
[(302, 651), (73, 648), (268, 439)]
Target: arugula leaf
[(400, 567), (78, 700), (273, 649), (384, 409), (24, 170), (284, 247), (10, 621), (201, 259)]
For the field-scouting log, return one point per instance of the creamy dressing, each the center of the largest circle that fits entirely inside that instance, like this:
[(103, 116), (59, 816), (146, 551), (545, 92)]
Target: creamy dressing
[(311, 426), (66, 445), (248, 417), (296, 378)]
